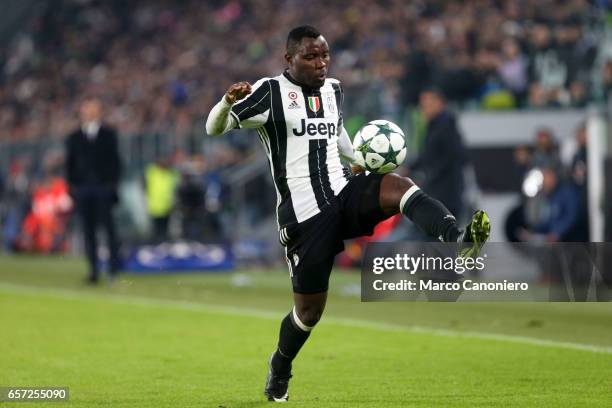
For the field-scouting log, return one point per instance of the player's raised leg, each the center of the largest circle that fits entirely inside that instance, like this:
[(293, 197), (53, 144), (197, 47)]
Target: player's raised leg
[(400, 194)]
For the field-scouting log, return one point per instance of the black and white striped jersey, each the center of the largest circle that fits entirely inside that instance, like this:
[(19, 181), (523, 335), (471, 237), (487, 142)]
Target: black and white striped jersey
[(299, 129)]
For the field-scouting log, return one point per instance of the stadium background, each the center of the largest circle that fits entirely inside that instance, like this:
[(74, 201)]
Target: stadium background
[(510, 70)]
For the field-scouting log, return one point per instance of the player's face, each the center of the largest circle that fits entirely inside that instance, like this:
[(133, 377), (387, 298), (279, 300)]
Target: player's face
[(310, 62)]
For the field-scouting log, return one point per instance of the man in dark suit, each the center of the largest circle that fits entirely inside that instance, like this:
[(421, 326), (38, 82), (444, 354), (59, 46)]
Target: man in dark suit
[(443, 157), (93, 172)]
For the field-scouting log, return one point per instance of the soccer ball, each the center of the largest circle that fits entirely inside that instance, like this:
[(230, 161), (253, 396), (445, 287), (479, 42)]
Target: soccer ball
[(380, 146)]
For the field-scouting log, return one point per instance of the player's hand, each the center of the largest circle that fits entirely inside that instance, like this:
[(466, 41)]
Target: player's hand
[(238, 91)]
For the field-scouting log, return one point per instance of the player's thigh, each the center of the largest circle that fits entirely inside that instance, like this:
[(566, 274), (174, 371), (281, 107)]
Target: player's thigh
[(310, 275), (311, 248), (362, 209)]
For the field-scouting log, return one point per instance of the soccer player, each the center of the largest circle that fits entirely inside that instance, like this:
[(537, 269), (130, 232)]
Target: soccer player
[(298, 116)]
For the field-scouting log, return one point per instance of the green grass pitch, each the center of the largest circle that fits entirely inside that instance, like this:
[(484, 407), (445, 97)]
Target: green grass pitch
[(196, 340)]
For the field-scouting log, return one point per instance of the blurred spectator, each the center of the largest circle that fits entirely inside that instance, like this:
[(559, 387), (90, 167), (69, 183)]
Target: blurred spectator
[(44, 228), (578, 97), (563, 212), (16, 201), (191, 204), (512, 69), (214, 192), (539, 97), (522, 159), (93, 171), (546, 150), (547, 67), (578, 175), (160, 182), (578, 169), (543, 153), (530, 162), (606, 78), (441, 162), (2, 185), (578, 50)]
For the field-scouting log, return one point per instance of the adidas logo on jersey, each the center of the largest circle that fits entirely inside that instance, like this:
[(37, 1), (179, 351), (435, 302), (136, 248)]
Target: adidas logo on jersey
[(293, 105)]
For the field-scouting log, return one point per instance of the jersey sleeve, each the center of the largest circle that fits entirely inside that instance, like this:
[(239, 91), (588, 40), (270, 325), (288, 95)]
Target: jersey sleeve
[(345, 146), (253, 110)]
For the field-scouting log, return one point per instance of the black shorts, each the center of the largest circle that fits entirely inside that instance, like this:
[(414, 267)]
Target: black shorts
[(312, 245)]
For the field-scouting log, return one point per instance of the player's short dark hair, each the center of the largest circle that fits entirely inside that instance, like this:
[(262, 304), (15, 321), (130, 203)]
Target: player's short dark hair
[(296, 35)]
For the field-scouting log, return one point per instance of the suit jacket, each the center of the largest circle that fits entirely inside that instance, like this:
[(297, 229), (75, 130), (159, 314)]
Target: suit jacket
[(93, 163), (442, 161)]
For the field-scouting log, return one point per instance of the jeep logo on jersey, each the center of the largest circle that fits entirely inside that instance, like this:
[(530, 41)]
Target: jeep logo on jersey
[(314, 103), (316, 127)]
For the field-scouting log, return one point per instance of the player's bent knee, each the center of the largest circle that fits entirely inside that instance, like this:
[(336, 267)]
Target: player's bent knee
[(392, 188), (396, 181), (306, 318)]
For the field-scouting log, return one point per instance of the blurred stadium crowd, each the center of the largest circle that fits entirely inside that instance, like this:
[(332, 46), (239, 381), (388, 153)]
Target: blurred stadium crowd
[(158, 66)]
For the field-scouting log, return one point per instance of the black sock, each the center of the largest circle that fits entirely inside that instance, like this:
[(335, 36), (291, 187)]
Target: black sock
[(290, 340), (430, 215)]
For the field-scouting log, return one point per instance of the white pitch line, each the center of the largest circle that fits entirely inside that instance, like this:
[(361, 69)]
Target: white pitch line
[(263, 314)]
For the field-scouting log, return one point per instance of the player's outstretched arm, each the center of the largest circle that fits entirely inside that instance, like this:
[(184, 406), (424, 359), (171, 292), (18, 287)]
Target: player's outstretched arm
[(219, 119)]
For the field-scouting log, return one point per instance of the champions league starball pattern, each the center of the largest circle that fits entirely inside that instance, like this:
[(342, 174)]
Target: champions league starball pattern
[(380, 146)]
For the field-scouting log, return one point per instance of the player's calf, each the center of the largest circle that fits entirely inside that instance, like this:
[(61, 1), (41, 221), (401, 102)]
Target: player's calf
[(295, 330), (433, 217), (429, 214), (400, 193)]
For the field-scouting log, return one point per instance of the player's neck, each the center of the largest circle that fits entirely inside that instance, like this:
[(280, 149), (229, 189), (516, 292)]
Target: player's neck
[(291, 79)]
